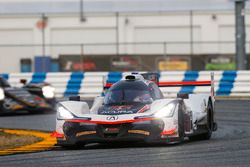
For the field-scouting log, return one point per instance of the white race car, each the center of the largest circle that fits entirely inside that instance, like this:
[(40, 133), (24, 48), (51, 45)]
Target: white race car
[(134, 109)]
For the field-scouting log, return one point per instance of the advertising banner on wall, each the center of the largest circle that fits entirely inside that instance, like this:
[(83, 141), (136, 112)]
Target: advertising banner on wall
[(99, 63), (173, 63), (220, 63), (125, 63), (84, 63)]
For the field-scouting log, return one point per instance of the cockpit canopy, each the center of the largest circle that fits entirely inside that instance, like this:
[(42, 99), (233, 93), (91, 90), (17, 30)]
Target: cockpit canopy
[(127, 92)]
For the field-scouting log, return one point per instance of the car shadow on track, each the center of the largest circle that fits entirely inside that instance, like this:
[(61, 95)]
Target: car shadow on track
[(121, 145), (25, 113), (97, 146)]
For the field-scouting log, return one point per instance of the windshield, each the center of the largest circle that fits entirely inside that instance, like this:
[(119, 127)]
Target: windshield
[(127, 96)]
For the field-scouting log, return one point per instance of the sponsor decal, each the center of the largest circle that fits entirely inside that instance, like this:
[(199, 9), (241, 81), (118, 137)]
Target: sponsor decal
[(117, 112), (112, 118), (121, 107), (143, 109)]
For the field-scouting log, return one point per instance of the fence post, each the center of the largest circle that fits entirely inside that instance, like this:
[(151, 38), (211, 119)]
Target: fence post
[(165, 49), (81, 57), (44, 20), (117, 33), (240, 35), (191, 37)]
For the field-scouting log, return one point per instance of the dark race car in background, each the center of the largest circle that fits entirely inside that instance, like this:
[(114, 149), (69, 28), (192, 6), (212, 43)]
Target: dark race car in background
[(37, 97)]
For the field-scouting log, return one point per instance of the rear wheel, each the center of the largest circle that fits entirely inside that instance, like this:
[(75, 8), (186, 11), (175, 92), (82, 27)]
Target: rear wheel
[(181, 125), (209, 126)]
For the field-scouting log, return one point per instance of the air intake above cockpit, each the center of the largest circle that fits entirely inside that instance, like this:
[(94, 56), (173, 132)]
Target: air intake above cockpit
[(134, 77)]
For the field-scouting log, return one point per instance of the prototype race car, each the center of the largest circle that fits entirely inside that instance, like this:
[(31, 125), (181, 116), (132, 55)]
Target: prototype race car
[(30, 97), (134, 109)]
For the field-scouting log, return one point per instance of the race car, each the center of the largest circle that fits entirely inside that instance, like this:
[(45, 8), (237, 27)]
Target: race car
[(134, 109), (34, 98)]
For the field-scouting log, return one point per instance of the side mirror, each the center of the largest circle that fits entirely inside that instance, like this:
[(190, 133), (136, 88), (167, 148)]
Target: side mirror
[(74, 98), (23, 81), (150, 100)]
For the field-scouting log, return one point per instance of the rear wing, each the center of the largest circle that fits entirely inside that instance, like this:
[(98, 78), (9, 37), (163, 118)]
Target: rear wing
[(191, 83), (184, 83), (154, 77)]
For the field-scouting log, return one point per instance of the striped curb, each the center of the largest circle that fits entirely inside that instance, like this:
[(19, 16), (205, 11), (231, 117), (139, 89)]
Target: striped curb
[(47, 142), (90, 84)]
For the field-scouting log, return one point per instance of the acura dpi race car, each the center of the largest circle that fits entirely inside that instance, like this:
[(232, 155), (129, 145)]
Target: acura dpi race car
[(30, 97), (134, 109)]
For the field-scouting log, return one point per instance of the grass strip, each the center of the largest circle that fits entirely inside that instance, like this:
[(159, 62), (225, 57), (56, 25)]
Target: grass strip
[(8, 140)]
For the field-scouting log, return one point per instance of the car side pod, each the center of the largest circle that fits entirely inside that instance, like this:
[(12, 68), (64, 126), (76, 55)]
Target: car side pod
[(74, 98)]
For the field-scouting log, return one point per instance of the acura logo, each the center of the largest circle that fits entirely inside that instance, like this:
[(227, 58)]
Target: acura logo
[(112, 118)]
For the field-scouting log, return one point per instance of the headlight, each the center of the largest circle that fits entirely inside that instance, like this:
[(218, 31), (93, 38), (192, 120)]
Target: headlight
[(63, 113), (48, 91), (166, 111), (2, 96)]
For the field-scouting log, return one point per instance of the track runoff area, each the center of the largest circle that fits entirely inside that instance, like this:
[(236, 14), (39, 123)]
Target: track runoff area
[(229, 146)]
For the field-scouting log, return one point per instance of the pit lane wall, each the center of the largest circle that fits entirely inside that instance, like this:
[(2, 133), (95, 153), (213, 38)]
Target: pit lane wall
[(90, 84)]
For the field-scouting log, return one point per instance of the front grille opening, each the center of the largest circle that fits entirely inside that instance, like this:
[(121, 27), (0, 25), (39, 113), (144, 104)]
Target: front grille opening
[(112, 135)]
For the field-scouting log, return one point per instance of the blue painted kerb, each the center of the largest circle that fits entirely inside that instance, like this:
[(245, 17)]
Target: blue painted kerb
[(38, 77), (5, 76), (113, 77), (226, 83), (189, 76), (74, 84)]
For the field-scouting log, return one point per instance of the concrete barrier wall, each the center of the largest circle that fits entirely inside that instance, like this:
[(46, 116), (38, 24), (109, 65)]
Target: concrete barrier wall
[(90, 84)]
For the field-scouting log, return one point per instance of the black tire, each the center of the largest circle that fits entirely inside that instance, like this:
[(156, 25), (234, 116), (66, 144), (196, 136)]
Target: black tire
[(2, 112), (36, 112), (181, 125), (208, 127)]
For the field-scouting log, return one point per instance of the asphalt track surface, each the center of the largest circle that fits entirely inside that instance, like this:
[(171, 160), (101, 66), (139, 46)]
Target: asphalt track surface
[(229, 146)]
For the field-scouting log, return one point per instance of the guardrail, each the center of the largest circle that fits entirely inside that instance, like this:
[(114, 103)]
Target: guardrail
[(90, 84)]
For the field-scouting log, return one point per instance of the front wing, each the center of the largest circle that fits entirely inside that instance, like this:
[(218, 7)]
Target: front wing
[(86, 131)]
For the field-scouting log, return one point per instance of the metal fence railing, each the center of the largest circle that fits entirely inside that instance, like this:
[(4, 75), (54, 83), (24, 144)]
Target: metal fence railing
[(192, 49), (110, 57)]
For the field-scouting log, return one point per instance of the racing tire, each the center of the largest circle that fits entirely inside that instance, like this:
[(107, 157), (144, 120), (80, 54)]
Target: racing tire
[(1, 109), (36, 112), (1, 112), (181, 131), (208, 127)]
